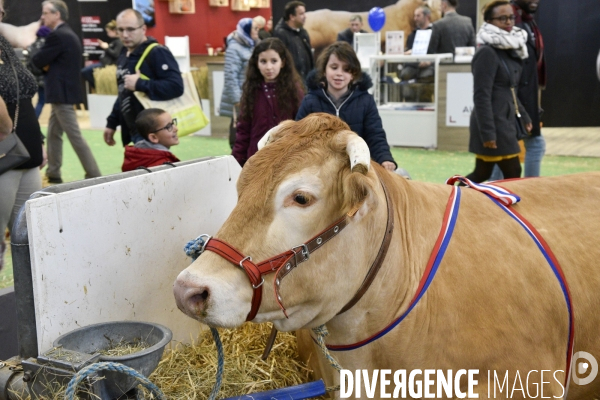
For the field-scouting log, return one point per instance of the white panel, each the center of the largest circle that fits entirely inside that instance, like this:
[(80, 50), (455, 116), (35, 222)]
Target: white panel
[(100, 106), (112, 251), (459, 99), (180, 48), (410, 128), (218, 84)]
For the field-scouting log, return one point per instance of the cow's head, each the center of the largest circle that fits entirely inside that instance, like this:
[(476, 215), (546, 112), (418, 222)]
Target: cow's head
[(306, 175)]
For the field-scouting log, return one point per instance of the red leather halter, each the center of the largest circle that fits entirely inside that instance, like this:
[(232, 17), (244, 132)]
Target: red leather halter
[(283, 263)]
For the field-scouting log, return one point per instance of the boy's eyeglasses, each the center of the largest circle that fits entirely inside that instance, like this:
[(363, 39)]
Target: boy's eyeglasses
[(504, 19), (168, 127), (128, 30)]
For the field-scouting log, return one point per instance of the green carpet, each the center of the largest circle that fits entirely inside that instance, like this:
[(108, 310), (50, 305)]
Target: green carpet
[(423, 165)]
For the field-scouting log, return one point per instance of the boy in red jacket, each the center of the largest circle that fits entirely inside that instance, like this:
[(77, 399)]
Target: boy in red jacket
[(159, 131)]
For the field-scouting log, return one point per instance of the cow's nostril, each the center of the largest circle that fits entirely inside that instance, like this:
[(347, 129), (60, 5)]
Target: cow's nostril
[(200, 297)]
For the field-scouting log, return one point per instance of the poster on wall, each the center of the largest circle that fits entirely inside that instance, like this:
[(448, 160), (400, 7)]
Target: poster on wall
[(146, 8), (394, 42), (94, 15), (459, 103)]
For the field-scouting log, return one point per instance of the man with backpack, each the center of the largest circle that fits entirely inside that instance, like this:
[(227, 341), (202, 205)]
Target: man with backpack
[(143, 66)]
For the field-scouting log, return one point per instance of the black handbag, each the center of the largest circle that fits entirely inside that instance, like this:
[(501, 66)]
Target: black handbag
[(521, 131), (12, 151)]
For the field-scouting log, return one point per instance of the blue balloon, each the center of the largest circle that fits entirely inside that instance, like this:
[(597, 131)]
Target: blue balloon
[(376, 18)]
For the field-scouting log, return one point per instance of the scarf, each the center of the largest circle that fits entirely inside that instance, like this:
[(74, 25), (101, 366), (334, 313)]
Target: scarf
[(243, 30), (522, 18), (516, 39)]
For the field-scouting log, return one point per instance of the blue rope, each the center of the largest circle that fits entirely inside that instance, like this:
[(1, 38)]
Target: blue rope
[(92, 369), (221, 361), (194, 247)]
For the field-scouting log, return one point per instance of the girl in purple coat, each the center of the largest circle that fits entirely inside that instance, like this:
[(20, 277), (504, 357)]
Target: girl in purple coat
[(272, 93)]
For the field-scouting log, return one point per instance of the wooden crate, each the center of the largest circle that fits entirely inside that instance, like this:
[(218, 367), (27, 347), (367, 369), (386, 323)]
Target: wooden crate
[(182, 6), (240, 5)]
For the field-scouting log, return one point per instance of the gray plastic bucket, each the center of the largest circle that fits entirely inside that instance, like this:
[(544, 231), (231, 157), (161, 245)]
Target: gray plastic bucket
[(96, 337)]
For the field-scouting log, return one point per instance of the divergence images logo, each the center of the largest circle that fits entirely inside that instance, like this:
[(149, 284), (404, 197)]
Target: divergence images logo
[(580, 368)]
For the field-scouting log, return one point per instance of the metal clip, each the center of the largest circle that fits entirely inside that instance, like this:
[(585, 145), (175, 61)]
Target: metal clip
[(204, 241), (260, 284), (242, 266)]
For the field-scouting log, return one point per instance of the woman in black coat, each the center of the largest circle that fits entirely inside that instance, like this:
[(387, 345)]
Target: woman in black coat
[(496, 67), (338, 87), (17, 87)]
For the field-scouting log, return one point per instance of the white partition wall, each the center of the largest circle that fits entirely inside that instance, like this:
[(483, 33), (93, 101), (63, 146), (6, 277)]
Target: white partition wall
[(180, 47), (112, 251)]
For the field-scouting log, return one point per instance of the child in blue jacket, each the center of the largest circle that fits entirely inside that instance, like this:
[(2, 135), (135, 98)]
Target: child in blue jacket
[(339, 87)]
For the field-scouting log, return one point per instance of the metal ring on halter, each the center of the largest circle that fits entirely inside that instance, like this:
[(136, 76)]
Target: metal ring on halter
[(204, 242), (244, 259), (305, 251)]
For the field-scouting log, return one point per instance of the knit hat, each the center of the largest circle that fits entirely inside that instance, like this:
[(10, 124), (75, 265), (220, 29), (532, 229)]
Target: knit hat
[(43, 31)]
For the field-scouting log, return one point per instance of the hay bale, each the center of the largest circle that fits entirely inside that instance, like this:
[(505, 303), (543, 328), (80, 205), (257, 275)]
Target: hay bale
[(189, 371), (106, 80), (201, 80)]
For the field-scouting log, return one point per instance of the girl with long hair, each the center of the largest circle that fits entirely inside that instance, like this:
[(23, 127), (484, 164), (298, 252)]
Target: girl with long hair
[(272, 93)]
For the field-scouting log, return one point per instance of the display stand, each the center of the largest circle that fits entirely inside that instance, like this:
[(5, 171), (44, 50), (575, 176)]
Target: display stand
[(408, 108), (365, 46)]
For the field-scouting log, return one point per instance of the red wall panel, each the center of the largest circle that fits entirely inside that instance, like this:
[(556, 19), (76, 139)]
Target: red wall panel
[(207, 25)]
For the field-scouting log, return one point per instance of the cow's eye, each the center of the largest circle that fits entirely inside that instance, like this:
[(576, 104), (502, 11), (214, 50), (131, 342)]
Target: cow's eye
[(301, 199)]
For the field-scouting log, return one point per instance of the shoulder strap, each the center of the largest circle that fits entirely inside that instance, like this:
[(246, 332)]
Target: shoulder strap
[(143, 57)]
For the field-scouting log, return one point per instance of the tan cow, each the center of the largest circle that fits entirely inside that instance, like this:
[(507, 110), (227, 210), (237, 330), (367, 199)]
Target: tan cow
[(324, 25), (494, 305)]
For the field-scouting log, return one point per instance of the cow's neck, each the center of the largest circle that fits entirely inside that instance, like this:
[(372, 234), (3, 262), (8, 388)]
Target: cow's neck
[(416, 227)]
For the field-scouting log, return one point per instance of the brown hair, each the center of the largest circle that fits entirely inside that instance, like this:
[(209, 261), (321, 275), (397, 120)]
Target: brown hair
[(345, 53), (287, 83), (145, 122), (488, 9), (290, 9)]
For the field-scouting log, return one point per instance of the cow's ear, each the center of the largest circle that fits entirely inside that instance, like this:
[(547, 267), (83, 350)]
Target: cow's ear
[(274, 133)]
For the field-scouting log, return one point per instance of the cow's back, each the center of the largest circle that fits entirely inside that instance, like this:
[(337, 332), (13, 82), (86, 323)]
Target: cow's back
[(565, 211)]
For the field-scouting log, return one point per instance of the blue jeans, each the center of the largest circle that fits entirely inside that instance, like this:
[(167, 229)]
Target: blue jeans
[(535, 148), (41, 101)]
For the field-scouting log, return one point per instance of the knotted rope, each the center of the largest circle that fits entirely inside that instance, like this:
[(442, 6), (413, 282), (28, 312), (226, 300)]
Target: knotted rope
[(111, 366), (322, 332)]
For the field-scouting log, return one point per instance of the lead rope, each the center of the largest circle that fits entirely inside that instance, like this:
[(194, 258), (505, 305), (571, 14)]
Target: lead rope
[(322, 332), (193, 249)]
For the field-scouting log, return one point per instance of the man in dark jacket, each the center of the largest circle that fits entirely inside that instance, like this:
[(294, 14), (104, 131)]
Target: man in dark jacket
[(532, 78), (452, 31), (347, 35), (61, 57), (158, 76), (291, 32)]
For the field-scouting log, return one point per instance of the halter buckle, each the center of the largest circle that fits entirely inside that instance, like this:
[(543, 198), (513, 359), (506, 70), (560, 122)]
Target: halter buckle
[(304, 252)]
